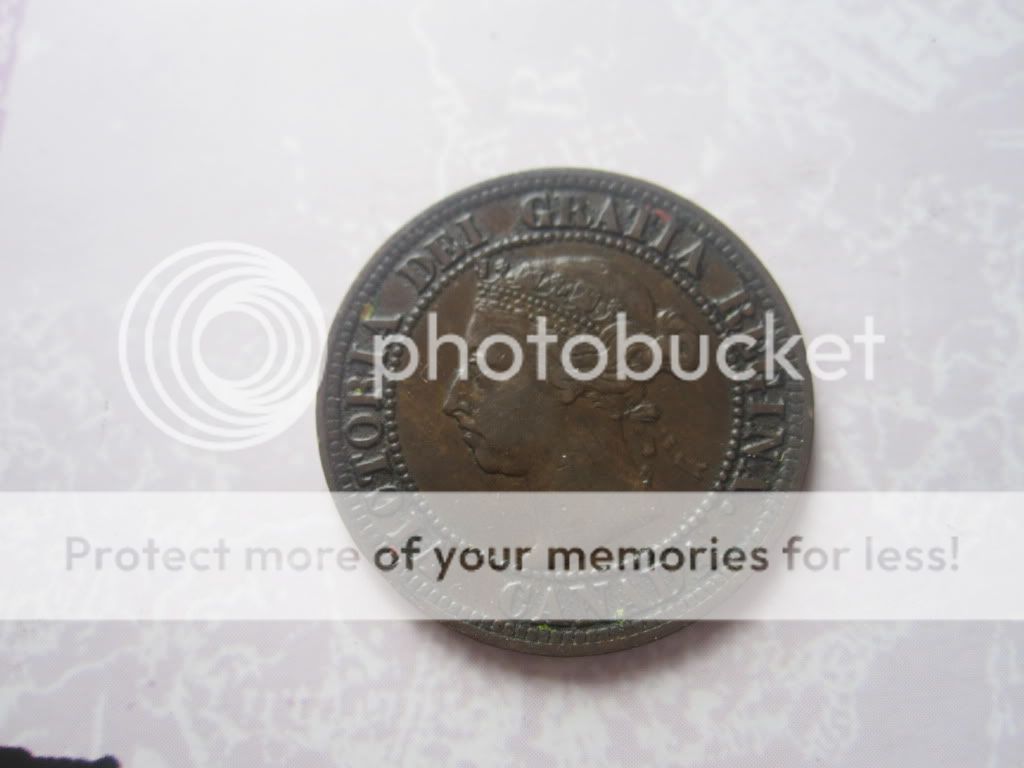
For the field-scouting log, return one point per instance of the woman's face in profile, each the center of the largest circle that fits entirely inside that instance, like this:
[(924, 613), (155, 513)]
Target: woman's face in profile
[(508, 425)]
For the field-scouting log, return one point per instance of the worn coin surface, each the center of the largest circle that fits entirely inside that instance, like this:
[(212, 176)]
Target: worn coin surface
[(578, 247)]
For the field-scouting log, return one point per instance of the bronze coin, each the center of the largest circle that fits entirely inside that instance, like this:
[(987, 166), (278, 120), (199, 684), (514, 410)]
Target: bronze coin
[(578, 247)]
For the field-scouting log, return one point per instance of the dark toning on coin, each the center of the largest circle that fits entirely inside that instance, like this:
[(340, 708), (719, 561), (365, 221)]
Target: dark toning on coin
[(579, 248)]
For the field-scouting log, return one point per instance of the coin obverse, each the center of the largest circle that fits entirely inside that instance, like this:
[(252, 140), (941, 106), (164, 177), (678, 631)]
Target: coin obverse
[(578, 247)]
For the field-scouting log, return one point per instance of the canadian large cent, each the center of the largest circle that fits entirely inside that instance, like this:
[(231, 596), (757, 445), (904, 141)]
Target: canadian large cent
[(586, 251)]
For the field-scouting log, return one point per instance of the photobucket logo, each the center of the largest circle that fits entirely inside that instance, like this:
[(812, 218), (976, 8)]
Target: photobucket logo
[(621, 355), (160, 345)]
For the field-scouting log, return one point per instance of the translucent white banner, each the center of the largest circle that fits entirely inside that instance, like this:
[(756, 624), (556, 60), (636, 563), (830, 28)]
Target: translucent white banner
[(542, 557)]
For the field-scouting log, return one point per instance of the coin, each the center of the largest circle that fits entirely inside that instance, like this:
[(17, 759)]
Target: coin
[(587, 251)]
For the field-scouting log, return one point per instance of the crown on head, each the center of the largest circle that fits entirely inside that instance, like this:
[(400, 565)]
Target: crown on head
[(571, 306)]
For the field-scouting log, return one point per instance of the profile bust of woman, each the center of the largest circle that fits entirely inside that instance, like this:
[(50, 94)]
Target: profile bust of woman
[(550, 427)]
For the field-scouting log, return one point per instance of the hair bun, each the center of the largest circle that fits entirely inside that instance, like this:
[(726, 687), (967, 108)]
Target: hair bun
[(670, 324)]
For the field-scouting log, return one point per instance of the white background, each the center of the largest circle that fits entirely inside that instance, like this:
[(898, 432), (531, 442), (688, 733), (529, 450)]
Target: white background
[(870, 153)]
